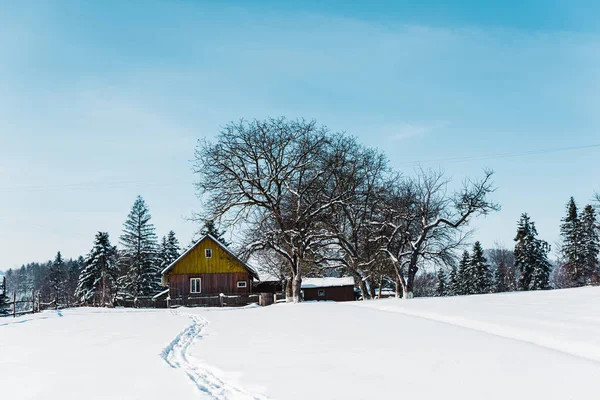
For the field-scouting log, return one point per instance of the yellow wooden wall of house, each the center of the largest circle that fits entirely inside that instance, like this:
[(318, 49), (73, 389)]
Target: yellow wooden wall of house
[(195, 261)]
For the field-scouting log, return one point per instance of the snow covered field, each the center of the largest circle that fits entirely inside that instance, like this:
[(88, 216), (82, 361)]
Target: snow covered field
[(518, 346)]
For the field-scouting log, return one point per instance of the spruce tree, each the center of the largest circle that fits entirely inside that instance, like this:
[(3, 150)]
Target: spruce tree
[(169, 250), (570, 231), (98, 279), (464, 275), (531, 257), (453, 286), (4, 298), (138, 258), (440, 289), (589, 245), (480, 271), (210, 229), (73, 269), (57, 278)]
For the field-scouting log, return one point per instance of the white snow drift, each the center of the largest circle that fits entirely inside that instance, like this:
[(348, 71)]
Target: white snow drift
[(519, 346)]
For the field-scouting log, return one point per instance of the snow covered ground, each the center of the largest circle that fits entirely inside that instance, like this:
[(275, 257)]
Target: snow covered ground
[(518, 346)]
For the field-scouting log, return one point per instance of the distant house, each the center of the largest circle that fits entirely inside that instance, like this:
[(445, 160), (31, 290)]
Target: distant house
[(332, 289), (208, 268)]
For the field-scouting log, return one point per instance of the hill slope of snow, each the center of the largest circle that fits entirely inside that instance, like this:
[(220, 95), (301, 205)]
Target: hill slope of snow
[(518, 346)]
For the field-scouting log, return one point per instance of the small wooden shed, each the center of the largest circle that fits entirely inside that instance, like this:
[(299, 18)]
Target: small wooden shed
[(331, 289), (208, 268)]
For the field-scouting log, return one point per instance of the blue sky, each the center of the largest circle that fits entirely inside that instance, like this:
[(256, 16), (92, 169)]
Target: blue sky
[(102, 101)]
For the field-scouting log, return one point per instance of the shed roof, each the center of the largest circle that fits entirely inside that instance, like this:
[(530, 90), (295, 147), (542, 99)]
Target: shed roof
[(308, 283)]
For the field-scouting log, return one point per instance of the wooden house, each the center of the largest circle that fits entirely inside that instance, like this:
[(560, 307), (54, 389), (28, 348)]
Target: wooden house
[(328, 289), (208, 268)]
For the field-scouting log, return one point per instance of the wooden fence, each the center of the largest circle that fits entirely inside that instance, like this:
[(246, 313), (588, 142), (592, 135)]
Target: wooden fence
[(217, 300), (221, 300), (36, 305)]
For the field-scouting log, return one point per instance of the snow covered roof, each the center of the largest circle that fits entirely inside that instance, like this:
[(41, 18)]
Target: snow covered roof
[(308, 283), (221, 245)]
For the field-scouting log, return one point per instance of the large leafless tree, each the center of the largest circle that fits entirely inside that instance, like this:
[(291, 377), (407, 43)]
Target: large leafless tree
[(270, 175), (360, 175), (320, 201), (422, 222)]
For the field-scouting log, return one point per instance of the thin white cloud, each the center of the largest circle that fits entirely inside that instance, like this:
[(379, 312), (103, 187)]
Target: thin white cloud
[(404, 131)]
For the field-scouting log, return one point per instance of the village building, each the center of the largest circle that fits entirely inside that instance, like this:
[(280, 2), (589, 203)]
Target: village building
[(328, 289), (208, 268)]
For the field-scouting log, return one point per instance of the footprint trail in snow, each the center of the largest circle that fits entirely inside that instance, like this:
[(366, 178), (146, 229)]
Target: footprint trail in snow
[(176, 355)]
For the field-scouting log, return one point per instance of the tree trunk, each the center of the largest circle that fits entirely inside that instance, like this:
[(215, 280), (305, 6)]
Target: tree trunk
[(372, 291), (363, 289), (407, 289), (288, 290), (297, 288)]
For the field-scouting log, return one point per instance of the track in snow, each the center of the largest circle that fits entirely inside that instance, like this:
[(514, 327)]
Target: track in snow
[(176, 355)]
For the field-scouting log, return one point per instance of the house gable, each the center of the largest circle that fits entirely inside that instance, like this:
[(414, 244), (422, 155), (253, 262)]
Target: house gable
[(194, 261)]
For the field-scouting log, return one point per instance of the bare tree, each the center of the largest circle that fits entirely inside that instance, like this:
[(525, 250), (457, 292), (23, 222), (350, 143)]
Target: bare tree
[(421, 222), (270, 175), (359, 177)]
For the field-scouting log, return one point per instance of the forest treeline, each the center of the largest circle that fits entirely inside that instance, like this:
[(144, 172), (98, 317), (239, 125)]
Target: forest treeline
[(107, 273), (308, 202)]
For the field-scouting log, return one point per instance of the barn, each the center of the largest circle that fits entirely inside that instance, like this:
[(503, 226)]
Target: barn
[(208, 268), (328, 289)]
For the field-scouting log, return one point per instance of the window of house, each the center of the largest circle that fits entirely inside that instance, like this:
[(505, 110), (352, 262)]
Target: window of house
[(208, 253), (321, 292), (195, 285), (241, 284)]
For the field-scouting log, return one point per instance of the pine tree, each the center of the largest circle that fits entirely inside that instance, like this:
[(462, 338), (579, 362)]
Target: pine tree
[(589, 245), (98, 279), (74, 268), (57, 278), (464, 275), (210, 229), (570, 231), (138, 259), (169, 250), (23, 285), (453, 285), (440, 289), (480, 271), (4, 299), (531, 257)]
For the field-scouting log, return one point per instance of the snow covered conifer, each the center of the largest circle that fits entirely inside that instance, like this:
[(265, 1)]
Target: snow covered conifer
[(73, 271), (479, 271), (138, 257), (531, 256), (4, 300), (589, 245), (464, 275), (570, 231), (57, 278), (441, 287), (169, 250), (211, 229), (98, 279), (453, 284)]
